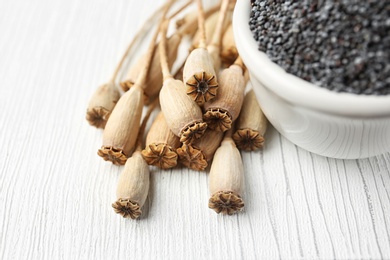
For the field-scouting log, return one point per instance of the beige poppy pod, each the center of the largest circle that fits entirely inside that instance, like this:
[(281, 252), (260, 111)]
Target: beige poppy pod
[(101, 104), (251, 125), (122, 127), (229, 51), (133, 187), (154, 78), (197, 155), (182, 114), (226, 179), (199, 76), (225, 108), (161, 145)]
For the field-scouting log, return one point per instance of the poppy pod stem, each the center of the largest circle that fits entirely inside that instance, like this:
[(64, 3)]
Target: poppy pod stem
[(143, 74), (106, 96), (201, 26), (214, 47)]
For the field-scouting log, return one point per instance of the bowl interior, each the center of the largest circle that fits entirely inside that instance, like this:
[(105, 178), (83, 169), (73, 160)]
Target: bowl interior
[(294, 89)]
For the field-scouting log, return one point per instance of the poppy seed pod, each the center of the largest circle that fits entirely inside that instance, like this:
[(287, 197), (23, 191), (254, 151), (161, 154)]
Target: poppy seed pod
[(197, 155), (101, 105), (225, 108), (161, 145), (120, 133), (199, 76), (133, 187), (226, 179), (251, 125), (182, 114)]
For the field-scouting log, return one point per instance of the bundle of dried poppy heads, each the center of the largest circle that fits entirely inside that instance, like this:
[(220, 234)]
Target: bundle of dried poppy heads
[(205, 116)]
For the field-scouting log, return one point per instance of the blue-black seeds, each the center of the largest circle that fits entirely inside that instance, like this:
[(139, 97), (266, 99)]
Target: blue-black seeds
[(342, 45)]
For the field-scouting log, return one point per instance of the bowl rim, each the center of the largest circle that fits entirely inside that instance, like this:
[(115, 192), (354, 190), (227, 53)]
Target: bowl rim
[(294, 89)]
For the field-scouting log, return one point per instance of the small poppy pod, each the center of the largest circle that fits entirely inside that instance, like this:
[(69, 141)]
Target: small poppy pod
[(226, 179), (133, 187), (251, 125), (120, 133), (161, 145), (154, 77), (197, 155), (101, 104), (199, 76), (229, 51), (182, 114), (225, 108)]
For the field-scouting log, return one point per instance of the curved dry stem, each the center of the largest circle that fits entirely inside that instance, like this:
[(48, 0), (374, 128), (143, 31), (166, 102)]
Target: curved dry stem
[(98, 116), (202, 87), (248, 139), (126, 85), (192, 158), (192, 132), (160, 155), (113, 155), (226, 202), (127, 208), (218, 119)]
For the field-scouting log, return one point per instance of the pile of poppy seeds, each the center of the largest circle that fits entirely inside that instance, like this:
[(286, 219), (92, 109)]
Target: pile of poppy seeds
[(341, 45)]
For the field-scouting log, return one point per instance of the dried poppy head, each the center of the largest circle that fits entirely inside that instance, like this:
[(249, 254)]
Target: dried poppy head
[(182, 114), (192, 158), (113, 155), (248, 139), (160, 155), (199, 76), (101, 104), (127, 209), (202, 87), (225, 108), (226, 202)]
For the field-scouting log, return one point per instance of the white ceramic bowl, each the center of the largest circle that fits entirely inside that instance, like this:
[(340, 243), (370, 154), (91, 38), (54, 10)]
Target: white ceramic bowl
[(338, 125)]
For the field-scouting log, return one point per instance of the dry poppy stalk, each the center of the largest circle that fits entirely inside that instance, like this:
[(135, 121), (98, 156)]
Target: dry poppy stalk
[(188, 24), (161, 145), (229, 51), (106, 96), (225, 108), (251, 125), (182, 114), (199, 75), (214, 48), (197, 155), (210, 24), (226, 178), (101, 104), (154, 79), (122, 127)]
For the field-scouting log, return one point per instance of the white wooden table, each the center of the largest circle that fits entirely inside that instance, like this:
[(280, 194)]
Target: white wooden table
[(56, 193)]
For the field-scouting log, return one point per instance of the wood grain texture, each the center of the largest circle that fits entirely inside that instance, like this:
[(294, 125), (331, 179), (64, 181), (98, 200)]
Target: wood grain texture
[(56, 193)]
